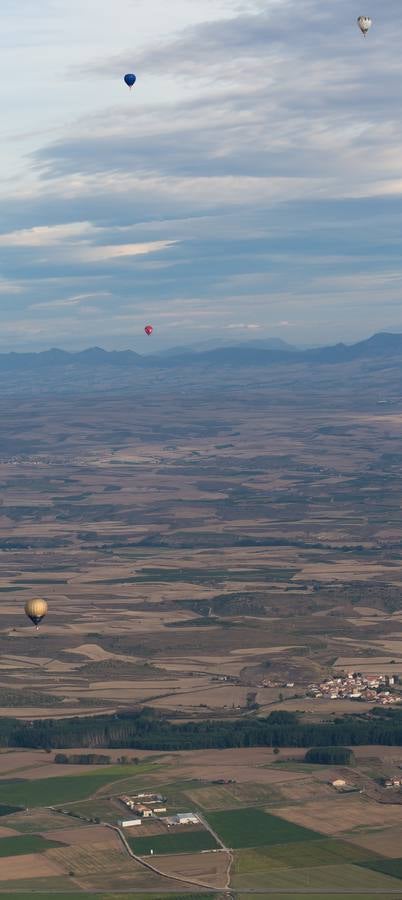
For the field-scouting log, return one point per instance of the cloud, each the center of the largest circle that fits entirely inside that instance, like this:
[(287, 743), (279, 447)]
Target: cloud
[(261, 147), (9, 287), (120, 251), (70, 301), (79, 241), (46, 236), (242, 327)]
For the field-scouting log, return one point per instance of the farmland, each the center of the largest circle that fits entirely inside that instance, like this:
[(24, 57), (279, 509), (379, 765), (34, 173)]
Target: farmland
[(186, 565), (203, 564), (387, 866), (342, 878), (253, 827), (317, 896), (64, 789), (183, 842), (42, 895), (72, 848), (21, 846), (314, 853)]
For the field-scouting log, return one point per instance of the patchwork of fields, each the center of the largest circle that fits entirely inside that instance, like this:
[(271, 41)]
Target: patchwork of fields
[(208, 560), (67, 848), (194, 554)]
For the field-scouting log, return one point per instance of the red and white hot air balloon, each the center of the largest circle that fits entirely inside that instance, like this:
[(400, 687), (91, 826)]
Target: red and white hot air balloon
[(148, 330)]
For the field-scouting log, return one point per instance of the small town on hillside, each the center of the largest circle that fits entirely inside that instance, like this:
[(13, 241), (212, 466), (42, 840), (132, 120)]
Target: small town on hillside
[(380, 689), (372, 688)]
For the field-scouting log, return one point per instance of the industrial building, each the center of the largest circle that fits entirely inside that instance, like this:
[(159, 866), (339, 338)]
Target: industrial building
[(128, 823), (183, 819)]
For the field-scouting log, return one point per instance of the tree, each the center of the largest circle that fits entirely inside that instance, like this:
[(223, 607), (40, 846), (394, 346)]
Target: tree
[(327, 756)]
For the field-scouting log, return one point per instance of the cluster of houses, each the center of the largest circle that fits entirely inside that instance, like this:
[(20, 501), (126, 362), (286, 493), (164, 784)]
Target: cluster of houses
[(392, 783), (150, 806), (145, 805), (378, 689)]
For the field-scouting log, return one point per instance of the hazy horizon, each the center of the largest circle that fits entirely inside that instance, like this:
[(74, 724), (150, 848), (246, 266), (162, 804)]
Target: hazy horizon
[(153, 347)]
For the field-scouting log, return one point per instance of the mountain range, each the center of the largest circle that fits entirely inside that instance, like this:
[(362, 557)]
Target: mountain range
[(380, 347)]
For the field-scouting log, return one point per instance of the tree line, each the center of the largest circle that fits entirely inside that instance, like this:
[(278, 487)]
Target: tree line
[(330, 756), (93, 759), (149, 729)]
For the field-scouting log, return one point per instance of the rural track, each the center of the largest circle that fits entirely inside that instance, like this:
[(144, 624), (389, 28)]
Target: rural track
[(219, 841), (152, 868), (148, 865), (227, 891)]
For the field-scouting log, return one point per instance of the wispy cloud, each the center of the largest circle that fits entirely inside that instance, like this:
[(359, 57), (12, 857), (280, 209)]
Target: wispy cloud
[(77, 300), (120, 251), (241, 326), (47, 236), (252, 177), (9, 287)]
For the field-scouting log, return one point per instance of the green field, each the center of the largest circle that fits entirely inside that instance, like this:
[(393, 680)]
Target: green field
[(24, 844), (387, 866), (138, 780), (8, 810), (253, 828), (69, 896), (178, 794), (68, 788), (362, 895), (340, 878), (199, 576), (299, 855), (98, 808), (176, 842)]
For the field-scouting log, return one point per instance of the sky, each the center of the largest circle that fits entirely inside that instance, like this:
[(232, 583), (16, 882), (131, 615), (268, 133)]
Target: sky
[(249, 186)]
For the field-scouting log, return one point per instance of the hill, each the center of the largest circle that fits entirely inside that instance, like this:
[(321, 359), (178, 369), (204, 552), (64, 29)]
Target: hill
[(382, 346)]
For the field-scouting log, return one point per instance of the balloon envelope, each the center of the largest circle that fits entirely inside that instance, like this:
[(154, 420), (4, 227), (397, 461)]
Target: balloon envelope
[(130, 79), (36, 609), (148, 330), (364, 23)]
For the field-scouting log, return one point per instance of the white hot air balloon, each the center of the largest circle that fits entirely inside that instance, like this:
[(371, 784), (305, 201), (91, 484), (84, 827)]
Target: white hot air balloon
[(364, 23)]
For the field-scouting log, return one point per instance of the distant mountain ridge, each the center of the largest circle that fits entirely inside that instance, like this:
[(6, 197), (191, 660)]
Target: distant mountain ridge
[(379, 347), (220, 343)]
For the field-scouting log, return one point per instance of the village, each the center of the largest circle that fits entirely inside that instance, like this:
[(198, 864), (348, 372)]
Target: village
[(379, 689)]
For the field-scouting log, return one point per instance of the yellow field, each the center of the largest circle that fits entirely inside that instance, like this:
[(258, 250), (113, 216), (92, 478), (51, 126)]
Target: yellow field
[(207, 868), (342, 814)]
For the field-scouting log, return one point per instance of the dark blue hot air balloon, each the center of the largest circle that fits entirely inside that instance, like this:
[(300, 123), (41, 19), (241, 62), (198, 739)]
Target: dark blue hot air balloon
[(130, 79)]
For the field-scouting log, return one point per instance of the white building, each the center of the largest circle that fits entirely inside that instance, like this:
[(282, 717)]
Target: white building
[(127, 823), (182, 819), (187, 819)]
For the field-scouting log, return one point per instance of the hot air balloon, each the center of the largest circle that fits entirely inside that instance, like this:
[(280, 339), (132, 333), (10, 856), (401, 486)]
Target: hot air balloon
[(130, 79), (364, 23), (36, 610), (148, 330)]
